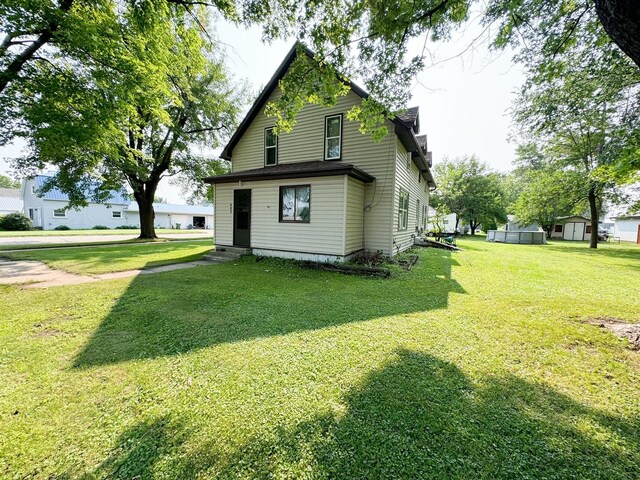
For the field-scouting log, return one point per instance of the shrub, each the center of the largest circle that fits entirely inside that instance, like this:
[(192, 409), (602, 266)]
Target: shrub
[(100, 227), (15, 222), (127, 227), (62, 227), (369, 258)]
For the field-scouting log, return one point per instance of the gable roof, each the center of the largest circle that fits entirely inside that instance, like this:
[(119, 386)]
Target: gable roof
[(406, 124), (315, 168), (176, 209), (117, 198)]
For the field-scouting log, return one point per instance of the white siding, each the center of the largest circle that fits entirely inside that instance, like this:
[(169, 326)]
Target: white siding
[(626, 229), (324, 234), (407, 179), (306, 143), (354, 217)]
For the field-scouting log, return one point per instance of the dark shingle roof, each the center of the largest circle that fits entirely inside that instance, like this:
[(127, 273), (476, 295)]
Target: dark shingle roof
[(409, 116), (422, 141), (294, 170)]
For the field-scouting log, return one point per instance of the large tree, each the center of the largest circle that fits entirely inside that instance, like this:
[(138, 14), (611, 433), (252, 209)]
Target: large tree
[(8, 182), (470, 190), (130, 113)]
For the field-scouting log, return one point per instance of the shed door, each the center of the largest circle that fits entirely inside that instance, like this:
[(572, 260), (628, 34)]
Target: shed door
[(578, 232), (568, 230)]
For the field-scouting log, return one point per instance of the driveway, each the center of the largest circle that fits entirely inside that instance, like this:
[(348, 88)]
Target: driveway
[(47, 239)]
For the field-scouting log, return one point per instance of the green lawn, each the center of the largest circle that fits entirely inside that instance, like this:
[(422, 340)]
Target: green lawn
[(116, 258), (476, 364), (66, 233)]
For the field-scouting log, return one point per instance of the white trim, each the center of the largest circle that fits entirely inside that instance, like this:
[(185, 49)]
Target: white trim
[(53, 213), (267, 147), (113, 213), (327, 137)]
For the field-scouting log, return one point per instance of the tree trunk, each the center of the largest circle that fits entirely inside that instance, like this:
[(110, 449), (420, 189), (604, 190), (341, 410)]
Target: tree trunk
[(144, 198), (473, 226), (621, 20), (593, 207)]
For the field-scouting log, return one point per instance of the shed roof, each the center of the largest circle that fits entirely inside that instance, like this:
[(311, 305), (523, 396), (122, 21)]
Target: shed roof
[(11, 200), (316, 168)]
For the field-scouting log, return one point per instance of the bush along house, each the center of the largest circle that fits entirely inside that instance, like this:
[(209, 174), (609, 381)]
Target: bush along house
[(323, 191)]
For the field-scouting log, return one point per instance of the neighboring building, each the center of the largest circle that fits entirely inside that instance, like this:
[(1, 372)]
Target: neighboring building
[(513, 225), (48, 210), (175, 216), (324, 191), (437, 222), (10, 201), (627, 228), (573, 228)]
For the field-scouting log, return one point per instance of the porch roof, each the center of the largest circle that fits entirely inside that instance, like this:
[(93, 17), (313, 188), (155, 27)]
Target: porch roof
[(316, 168)]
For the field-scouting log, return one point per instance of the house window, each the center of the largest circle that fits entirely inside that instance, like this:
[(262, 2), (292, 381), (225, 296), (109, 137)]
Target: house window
[(417, 213), (33, 189), (333, 137), (270, 147), (403, 210), (408, 160), (116, 214), (558, 229), (59, 213), (425, 214), (588, 230), (295, 203)]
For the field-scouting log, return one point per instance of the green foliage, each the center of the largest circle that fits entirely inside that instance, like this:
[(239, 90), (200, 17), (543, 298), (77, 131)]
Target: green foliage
[(100, 227), (62, 227), (548, 195), (468, 188), (8, 182), (15, 222)]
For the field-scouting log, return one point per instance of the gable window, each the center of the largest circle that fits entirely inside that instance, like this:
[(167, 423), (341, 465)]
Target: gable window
[(558, 229), (116, 214), (295, 204), (270, 147), (59, 213), (408, 160), (333, 137), (403, 210)]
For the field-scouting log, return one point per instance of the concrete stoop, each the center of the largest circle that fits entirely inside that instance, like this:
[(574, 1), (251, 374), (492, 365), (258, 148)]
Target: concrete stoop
[(225, 254)]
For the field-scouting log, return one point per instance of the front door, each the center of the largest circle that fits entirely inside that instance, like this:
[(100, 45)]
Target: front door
[(241, 218)]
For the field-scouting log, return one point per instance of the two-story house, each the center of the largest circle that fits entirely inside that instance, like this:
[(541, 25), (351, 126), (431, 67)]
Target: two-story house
[(323, 191)]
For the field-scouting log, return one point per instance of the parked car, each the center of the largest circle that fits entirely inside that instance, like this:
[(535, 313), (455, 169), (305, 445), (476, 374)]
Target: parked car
[(603, 235)]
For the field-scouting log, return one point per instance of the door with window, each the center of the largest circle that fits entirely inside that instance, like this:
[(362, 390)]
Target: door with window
[(242, 218)]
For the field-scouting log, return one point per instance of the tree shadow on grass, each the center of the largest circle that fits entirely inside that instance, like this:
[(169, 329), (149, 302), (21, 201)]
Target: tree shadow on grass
[(420, 417), (417, 417), (611, 251), (176, 312)]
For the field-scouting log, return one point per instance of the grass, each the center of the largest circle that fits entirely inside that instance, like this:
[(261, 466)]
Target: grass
[(71, 233), (476, 364), (116, 258)]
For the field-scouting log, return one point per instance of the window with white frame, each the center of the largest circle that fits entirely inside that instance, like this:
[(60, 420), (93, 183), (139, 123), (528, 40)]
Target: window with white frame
[(403, 210), (270, 147), (333, 137), (295, 203), (116, 214), (59, 213), (33, 189), (425, 214), (418, 213), (408, 160)]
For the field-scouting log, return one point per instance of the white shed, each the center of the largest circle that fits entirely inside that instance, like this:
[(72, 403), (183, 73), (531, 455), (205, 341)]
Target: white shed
[(573, 228), (627, 228)]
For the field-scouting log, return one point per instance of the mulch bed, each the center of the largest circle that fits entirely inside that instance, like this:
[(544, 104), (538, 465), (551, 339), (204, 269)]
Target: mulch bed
[(630, 331)]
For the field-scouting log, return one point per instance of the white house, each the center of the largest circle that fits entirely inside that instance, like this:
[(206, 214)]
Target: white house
[(175, 216), (627, 228), (48, 210), (323, 191), (437, 222), (10, 201)]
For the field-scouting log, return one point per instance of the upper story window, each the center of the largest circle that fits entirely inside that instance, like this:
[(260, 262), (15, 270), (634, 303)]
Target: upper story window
[(333, 137), (408, 160), (33, 189), (295, 204), (403, 210), (59, 213), (270, 147)]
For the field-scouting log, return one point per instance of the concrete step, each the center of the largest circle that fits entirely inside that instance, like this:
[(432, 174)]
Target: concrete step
[(234, 250), (217, 259), (225, 254)]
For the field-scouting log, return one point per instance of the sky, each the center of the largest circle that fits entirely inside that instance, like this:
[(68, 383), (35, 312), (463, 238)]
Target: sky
[(464, 94)]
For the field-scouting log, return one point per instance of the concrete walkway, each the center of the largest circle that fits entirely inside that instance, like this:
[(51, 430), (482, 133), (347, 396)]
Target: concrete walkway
[(63, 239), (33, 274)]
